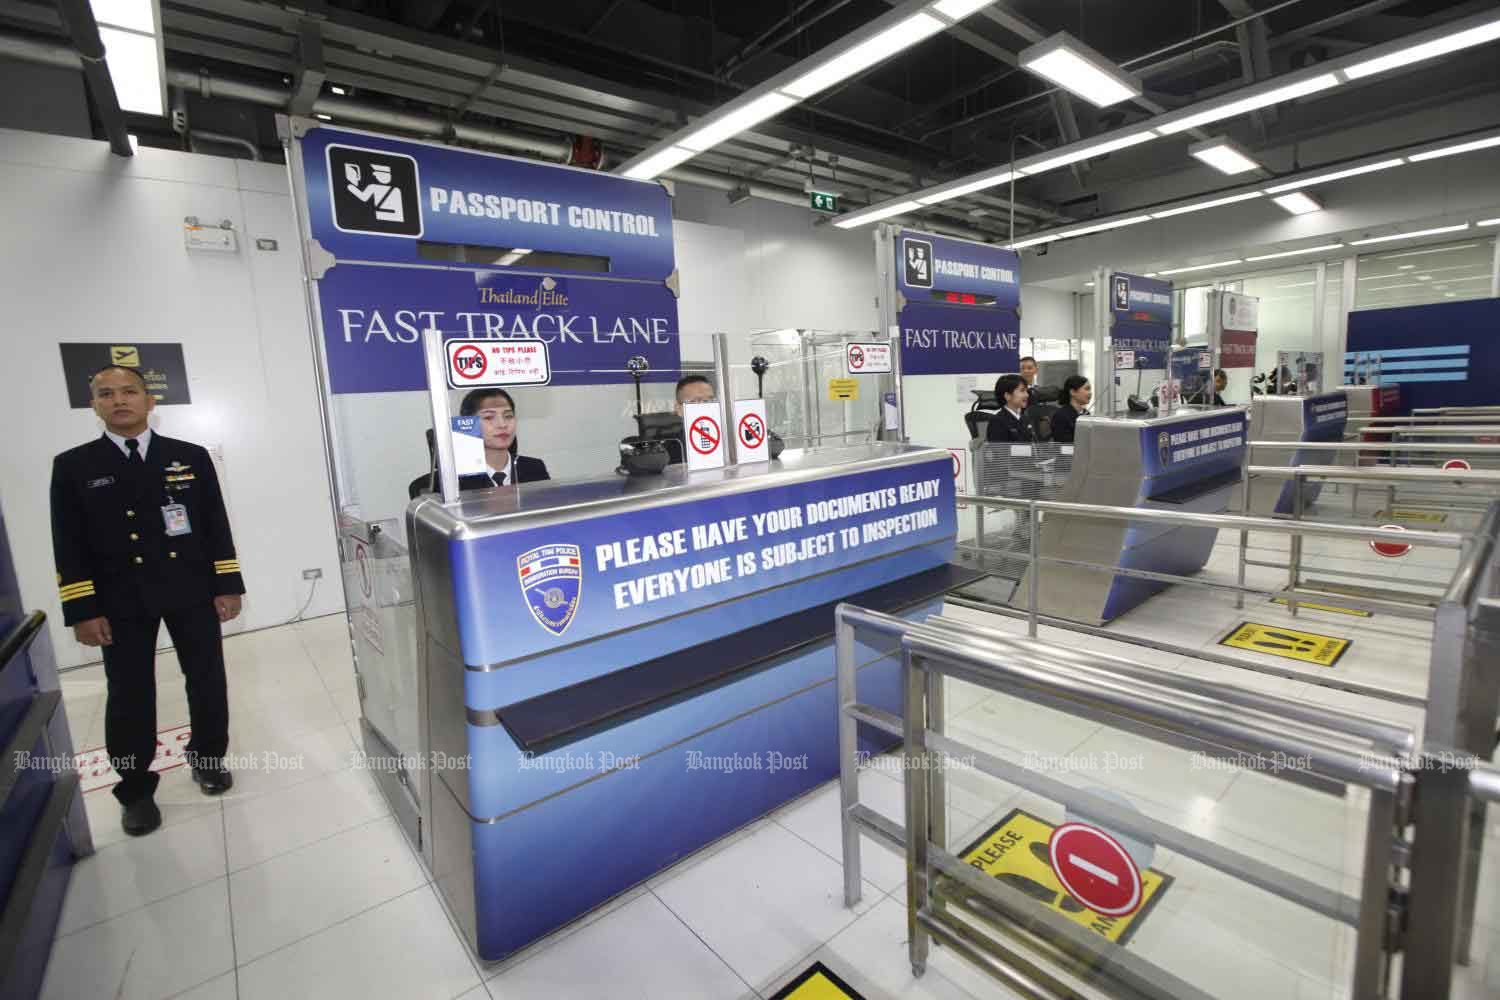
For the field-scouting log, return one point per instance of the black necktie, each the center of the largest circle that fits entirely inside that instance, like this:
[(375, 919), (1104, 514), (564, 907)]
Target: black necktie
[(500, 479), (134, 447)]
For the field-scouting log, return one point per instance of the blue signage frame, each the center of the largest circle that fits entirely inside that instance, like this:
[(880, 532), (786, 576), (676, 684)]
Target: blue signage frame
[(961, 305), (1140, 311), (465, 197)]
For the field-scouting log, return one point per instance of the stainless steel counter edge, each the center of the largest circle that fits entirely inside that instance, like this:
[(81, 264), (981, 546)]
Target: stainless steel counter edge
[(479, 515)]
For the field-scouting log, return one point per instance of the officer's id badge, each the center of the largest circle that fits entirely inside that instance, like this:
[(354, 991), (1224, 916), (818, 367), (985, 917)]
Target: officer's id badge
[(551, 581), (175, 516)]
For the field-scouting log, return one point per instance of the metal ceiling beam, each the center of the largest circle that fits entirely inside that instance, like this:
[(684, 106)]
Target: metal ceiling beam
[(727, 67), (1255, 56), (78, 16)]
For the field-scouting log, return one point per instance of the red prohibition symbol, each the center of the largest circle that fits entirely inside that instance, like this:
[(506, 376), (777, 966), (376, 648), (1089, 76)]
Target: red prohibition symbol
[(752, 431), (1095, 869), (469, 362), (856, 357), (704, 435), (1391, 550)]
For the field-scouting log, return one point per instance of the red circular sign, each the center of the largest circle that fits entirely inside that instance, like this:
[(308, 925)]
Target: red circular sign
[(1456, 464), (704, 435), (1391, 550), (1095, 869), (469, 362), (752, 431), (856, 356)]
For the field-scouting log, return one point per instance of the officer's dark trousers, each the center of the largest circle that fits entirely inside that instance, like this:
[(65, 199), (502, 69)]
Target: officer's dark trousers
[(130, 707)]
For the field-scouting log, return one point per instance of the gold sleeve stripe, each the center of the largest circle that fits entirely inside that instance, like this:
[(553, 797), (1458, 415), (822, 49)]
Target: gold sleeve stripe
[(226, 562), (227, 569), (81, 585), (75, 596)]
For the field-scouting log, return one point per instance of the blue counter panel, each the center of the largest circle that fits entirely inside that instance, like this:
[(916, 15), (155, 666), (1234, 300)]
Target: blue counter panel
[(626, 826), (1323, 419)]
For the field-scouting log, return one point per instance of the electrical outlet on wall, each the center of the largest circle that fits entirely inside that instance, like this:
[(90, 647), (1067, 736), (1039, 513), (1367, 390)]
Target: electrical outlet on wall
[(312, 574)]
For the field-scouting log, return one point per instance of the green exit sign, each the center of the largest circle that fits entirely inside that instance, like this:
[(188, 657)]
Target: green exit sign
[(822, 201)]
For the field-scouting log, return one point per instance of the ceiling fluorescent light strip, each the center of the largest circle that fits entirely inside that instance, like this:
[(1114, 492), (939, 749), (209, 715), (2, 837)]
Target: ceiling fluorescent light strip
[(660, 162), (1409, 236), (1294, 253), (1276, 96), (1335, 175), (1084, 231), (736, 121), (1199, 206), (1478, 35), (1463, 147), (1488, 222), (957, 10), (875, 214), (903, 34), (1078, 69), (1201, 267), (963, 189), (1086, 152)]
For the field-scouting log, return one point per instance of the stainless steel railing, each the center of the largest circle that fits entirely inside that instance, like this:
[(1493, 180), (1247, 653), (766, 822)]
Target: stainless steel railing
[(1335, 746)]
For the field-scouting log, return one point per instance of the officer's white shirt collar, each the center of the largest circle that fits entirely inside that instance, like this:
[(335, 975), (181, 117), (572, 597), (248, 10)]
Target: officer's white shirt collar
[(144, 438), (1014, 413), (509, 470)]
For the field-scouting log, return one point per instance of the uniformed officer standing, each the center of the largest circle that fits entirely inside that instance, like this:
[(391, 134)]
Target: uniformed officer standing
[(140, 536)]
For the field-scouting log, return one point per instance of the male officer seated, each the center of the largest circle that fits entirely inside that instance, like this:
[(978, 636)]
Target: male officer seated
[(690, 389), (140, 536)]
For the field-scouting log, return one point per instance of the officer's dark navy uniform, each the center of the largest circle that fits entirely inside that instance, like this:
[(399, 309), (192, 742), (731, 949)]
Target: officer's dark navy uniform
[(119, 557)]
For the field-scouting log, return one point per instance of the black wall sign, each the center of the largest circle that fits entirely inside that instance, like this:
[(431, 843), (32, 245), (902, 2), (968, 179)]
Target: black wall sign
[(161, 365)]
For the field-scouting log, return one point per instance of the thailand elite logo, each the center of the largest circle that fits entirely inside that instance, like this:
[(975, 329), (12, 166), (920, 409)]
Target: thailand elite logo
[(552, 583), (374, 192)]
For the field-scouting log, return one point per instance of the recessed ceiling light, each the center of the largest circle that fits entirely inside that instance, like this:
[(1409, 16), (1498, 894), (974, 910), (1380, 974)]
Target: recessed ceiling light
[(1223, 155), (1335, 175), (1426, 50), (1246, 104), (1080, 70), (1199, 206), (337, 89), (1408, 236), (1462, 147), (875, 214), (1298, 203), (1294, 253), (1201, 267), (1405, 267)]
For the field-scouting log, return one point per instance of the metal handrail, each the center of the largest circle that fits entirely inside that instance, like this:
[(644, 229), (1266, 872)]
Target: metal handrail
[(1385, 474), (1484, 783), (1362, 446), (1353, 532), (929, 654), (1389, 421), (1463, 588), (1457, 431)]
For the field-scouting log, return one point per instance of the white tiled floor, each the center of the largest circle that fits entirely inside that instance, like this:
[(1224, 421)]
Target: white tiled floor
[(299, 883)]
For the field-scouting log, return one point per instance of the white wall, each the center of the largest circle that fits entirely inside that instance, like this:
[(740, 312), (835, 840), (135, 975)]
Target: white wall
[(94, 252)]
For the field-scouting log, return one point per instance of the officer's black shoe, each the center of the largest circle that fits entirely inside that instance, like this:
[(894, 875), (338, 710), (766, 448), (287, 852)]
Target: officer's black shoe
[(141, 817), (213, 779)]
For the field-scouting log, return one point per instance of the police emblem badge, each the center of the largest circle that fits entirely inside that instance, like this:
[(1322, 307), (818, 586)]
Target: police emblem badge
[(1164, 448), (551, 579)]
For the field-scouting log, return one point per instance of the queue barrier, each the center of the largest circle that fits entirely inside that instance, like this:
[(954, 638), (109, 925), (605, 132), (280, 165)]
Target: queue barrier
[(1000, 928), (1424, 831)]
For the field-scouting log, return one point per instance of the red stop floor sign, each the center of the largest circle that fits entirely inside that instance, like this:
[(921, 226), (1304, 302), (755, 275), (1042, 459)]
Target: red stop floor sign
[(1095, 869), (1456, 465), (1391, 549)]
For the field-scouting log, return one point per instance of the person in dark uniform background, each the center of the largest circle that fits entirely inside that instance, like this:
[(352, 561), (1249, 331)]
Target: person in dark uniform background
[(690, 389), (1076, 396), (1029, 369), (1204, 398), (1008, 424), (140, 537), (507, 466)]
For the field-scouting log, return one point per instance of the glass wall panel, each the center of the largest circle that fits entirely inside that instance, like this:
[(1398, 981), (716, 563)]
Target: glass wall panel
[(1449, 272)]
